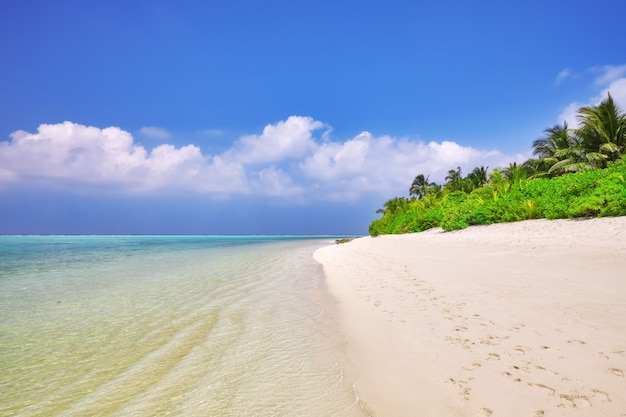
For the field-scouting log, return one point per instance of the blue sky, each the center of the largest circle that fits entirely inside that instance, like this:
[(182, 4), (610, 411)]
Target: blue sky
[(277, 116)]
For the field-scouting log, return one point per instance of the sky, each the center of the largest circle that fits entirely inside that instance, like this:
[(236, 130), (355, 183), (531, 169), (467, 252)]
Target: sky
[(277, 117)]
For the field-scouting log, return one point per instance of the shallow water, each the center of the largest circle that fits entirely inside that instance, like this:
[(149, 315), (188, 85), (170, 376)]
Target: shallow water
[(167, 325)]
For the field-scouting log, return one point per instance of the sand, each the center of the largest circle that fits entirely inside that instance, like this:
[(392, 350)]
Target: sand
[(523, 319)]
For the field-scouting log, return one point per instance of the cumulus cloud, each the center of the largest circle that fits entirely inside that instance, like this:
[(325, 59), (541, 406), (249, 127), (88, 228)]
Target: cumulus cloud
[(275, 182), (610, 79), (291, 138), (568, 114), (609, 73), (617, 88), (380, 164), (78, 154), (286, 159), (154, 132)]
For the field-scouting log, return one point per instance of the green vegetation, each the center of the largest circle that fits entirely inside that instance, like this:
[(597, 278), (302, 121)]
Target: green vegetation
[(576, 173)]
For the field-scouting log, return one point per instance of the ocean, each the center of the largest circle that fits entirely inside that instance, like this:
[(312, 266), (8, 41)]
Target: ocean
[(168, 326)]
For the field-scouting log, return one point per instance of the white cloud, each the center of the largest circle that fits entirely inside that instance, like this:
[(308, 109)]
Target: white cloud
[(568, 114), (275, 182), (387, 165), (69, 152), (154, 132), (563, 75), (284, 160), (614, 80), (617, 88), (291, 138), (609, 73)]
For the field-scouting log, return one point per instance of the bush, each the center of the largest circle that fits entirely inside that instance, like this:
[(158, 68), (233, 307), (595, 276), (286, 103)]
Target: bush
[(591, 193), (403, 223), (429, 219)]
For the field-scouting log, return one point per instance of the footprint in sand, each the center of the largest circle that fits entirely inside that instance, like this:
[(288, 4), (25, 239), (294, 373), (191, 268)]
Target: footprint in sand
[(574, 401), (509, 375), (464, 343), (493, 357), (521, 350), (550, 390), (447, 314), (485, 412), (489, 340), (473, 366), (575, 342), (492, 340), (603, 395), (464, 390), (617, 371)]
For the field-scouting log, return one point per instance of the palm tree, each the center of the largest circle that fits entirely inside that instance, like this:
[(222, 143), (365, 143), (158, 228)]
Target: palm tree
[(477, 178), (555, 138), (420, 185), (551, 148), (561, 151), (454, 179), (393, 206), (603, 129), (575, 158), (454, 175)]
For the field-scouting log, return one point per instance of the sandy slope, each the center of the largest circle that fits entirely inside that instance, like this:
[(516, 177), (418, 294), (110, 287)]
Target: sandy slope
[(521, 319)]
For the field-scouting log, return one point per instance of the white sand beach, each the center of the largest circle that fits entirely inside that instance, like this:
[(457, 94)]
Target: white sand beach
[(523, 319)]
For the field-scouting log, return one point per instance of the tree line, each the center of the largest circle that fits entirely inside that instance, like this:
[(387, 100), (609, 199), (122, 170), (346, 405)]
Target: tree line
[(563, 157)]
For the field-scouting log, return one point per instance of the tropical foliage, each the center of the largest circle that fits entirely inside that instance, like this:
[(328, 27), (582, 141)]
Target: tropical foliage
[(593, 156)]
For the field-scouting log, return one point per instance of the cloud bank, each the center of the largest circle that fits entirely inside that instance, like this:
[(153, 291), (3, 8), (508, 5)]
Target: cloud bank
[(291, 158)]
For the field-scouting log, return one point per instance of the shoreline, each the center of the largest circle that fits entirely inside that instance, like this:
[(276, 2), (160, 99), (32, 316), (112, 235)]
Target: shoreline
[(515, 319)]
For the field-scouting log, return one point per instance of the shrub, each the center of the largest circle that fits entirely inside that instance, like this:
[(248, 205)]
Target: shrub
[(600, 192), (429, 219)]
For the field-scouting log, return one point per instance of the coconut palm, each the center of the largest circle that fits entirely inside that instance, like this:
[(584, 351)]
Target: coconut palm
[(603, 129), (560, 151), (575, 158), (420, 185), (454, 179), (393, 206), (477, 178), (555, 138), (550, 147), (454, 175)]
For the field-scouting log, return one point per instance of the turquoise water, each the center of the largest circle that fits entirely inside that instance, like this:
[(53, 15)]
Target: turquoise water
[(168, 325)]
